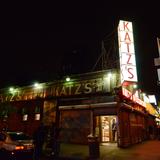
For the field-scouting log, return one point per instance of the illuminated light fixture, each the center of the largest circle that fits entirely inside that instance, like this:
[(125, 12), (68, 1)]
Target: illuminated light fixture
[(11, 89), (37, 86), (68, 79), (144, 94), (135, 86), (19, 147), (109, 75)]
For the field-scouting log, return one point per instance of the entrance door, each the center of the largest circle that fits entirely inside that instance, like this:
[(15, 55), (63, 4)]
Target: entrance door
[(105, 129), (108, 128)]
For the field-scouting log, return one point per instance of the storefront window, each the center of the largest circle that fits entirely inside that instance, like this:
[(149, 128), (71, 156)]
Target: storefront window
[(24, 114), (37, 114), (25, 117)]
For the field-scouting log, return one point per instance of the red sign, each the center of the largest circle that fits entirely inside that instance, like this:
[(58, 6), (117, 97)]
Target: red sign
[(132, 97)]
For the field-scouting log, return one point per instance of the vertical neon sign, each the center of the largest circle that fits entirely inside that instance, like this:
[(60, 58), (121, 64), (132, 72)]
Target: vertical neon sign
[(127, 52)]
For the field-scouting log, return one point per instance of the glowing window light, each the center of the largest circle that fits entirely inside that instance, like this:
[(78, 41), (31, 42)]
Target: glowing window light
[(37, 116), (25, 117)]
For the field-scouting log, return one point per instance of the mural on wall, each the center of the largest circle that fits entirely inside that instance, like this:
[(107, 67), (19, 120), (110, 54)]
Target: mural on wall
[(74, 126)]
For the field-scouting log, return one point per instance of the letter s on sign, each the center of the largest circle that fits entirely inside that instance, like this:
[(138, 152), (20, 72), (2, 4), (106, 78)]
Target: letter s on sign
[(88, 88), (130, 72)]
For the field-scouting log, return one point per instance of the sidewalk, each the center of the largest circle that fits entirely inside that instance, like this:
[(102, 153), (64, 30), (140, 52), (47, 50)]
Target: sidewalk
[(148, 150)]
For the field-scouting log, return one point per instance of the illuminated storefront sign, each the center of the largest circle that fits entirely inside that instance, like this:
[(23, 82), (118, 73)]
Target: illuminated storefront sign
[(150, 108), (127, 52), (133, 97), (152, 99), (103, 84)]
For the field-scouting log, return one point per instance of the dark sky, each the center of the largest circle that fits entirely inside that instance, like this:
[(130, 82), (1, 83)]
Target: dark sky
[(49, 42)]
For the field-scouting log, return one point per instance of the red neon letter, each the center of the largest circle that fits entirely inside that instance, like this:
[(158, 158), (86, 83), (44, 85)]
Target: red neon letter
[(129, 58), (125, 26), (127, 37)]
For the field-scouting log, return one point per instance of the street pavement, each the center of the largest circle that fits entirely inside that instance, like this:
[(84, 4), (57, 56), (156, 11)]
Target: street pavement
[(147, 150)]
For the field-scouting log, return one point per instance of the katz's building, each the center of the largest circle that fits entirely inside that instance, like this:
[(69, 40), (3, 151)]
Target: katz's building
[(102, 104)]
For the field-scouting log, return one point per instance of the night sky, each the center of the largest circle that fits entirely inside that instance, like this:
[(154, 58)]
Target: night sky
[(52, 41)]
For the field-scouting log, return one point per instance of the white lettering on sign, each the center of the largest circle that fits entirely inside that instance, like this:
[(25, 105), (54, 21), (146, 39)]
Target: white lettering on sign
[(127, 52), (133, 97)]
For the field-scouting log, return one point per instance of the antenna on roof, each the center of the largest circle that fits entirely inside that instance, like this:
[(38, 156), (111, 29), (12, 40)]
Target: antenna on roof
[(109, 52)]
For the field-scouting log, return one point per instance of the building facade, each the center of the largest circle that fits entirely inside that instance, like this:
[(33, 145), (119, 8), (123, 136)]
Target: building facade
[(91, 104)]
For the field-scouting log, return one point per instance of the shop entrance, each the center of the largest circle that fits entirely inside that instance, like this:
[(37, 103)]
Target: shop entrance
[(107, 126)]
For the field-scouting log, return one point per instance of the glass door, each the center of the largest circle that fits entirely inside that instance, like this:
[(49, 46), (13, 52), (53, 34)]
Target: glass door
[(105, 129), (108, 128)]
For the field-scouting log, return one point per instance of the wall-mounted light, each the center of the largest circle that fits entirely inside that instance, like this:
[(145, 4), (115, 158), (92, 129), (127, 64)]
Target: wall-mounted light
[(38, 86), (144, 94), (109, 75), (13, 90), (135, 86), (68, 79)]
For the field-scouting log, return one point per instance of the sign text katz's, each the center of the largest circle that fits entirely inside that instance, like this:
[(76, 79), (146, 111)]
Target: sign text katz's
[(97, 85), (127, 52)]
